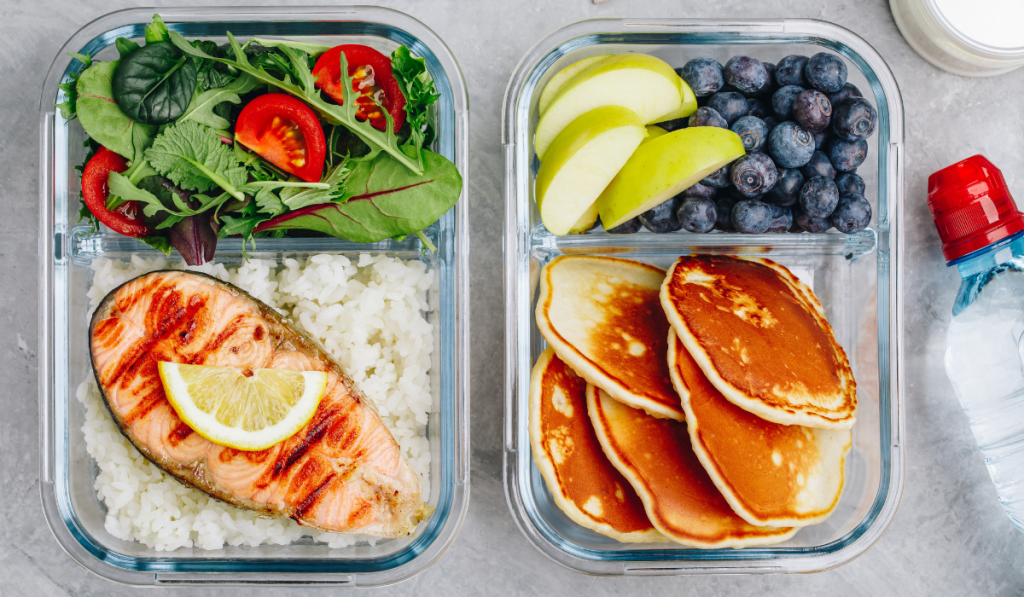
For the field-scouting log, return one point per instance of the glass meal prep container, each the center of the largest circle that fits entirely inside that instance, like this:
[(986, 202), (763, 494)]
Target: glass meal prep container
[(857, 277), (66, 251)]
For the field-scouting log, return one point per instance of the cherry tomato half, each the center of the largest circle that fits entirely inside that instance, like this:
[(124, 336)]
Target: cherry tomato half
[(126, 219), (371, 79), (286, 133)]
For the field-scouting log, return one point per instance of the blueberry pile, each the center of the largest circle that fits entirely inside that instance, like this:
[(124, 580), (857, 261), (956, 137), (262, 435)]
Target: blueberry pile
[(804, 128)]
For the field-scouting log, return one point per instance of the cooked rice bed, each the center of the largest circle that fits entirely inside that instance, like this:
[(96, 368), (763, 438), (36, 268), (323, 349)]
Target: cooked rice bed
[(369, 315)]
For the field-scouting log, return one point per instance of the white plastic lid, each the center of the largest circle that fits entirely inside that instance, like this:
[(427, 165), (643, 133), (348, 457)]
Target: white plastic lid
[(996, 25)]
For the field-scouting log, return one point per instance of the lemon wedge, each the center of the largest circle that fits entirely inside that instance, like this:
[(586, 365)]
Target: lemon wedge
[(246, 413)]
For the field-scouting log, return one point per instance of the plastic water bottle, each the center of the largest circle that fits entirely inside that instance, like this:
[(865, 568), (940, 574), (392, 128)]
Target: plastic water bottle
[(982, 234)]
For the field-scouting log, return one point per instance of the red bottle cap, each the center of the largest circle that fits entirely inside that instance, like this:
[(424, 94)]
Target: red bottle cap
[(971, 206)]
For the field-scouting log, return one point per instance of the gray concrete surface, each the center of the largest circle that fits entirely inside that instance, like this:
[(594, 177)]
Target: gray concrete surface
[(950, 537)]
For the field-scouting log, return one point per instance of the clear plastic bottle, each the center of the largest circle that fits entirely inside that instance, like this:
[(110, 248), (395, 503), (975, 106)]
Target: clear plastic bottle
[(983, 235)]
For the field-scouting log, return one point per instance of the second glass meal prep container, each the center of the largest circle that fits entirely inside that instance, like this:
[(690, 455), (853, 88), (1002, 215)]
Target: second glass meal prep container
[(66, 251), (857, 278)]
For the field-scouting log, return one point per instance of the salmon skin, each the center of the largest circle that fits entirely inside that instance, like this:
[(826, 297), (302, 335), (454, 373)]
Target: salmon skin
[(343, 472)]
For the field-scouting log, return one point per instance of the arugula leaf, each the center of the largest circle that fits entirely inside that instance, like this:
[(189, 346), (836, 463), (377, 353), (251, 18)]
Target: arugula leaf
[(192, 156), (269, 203), (336, 179), (201, 108), (311, 49), (68, 107), (418, 88), (156, 31), (307, 91), (122, 187), (101, 117), (125, 46), (386, 200)]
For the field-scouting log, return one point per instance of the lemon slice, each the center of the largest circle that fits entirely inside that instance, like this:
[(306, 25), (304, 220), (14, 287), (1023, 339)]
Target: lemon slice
[(245, 413)]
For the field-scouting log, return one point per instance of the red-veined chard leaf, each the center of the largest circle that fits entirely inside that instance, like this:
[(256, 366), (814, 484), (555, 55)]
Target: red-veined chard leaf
[(386, 200)]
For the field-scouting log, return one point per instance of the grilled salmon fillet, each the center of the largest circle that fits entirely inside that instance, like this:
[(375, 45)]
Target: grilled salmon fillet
[(343, 472)]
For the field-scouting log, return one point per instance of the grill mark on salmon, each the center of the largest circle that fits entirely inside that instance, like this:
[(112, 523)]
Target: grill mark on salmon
[(342, 472)]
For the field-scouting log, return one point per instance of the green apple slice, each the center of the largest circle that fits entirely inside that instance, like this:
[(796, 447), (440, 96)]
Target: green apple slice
[(563, 76), (688, 107), (662, 168), (583, 159), (641, 83)]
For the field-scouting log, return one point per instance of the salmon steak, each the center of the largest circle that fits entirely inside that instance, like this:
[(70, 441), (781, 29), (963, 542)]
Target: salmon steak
[(342, 472)]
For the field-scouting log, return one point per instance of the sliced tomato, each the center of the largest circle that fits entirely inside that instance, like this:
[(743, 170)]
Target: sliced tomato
[(286, 133), (372, 80), (126, 219)]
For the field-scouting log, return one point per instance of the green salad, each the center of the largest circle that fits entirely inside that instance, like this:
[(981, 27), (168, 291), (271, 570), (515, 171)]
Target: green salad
[(191, 141)]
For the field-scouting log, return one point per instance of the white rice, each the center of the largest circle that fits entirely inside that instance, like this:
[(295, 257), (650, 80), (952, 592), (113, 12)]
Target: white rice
[(369, 316)]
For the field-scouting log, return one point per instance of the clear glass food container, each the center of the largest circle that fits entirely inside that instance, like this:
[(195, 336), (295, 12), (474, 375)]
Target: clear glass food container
[(66, 251), (857, 277)]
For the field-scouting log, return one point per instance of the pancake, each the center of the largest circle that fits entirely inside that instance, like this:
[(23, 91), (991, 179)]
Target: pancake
[(679, 496), (603, 317), (771, 474), (584, 484), (761, 337)]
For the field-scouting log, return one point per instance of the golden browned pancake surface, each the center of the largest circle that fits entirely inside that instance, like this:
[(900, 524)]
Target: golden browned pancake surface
[(603, 317), (679, 496), (762, 339), (779, 475), (584, 484)]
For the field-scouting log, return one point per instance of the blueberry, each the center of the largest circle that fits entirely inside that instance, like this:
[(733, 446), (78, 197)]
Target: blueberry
[(628, 227), (697, 214), (699, 190), (825, 72), (723, 211), (703, 75), (771, 85), (809, 224), (790, 71), (737, 195), (784, 99), (819, 165), (848, 182), (846, 156), (662, 217), (718, 179), (787, 190), (746, 74), (673, 125), (756, 107), (847, 92), (790, 145), (752, 131), (812, 110), (854, 119), (818, 197), (853, 213), (751, 217), (782, 218), (771, 122), (819, 139), (707, 117), (753, 174), (729, 104)]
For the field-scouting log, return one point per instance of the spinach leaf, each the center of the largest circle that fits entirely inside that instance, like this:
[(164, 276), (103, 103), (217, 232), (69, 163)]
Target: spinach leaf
[(125, 46), (307, 91), (385, 200), (155, 83), (193, 156), (201, 108), (68, 108), (156, 31), (101, 117)]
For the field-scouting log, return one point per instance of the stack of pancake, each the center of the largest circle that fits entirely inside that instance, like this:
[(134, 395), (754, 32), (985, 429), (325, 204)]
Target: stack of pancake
[(709, 405)]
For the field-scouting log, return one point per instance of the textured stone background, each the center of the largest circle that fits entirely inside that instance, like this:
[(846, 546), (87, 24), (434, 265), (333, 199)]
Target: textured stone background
[(950, 536)]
